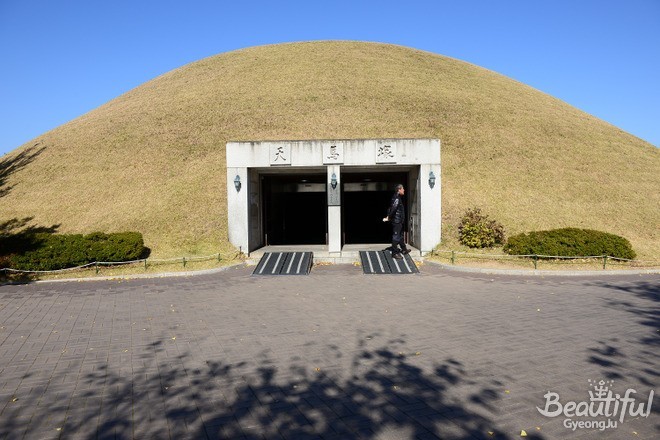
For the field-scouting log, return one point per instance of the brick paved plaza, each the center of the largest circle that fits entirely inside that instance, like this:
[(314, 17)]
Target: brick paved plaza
[(336, 354)]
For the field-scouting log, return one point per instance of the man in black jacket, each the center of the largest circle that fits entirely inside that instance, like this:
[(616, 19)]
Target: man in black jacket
[(396, 214)]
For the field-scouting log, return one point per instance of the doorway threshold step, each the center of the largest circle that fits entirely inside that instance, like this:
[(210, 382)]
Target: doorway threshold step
[(349, 254)]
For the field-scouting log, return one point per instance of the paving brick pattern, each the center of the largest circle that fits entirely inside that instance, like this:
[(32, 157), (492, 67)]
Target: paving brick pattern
[(334, 355)]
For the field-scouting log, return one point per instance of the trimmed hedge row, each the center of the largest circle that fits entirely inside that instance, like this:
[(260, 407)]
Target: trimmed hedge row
[(570, 242), (61, 251)]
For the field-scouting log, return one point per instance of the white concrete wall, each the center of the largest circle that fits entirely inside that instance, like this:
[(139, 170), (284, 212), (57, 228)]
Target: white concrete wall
[(334, 214), (237, 208), (430, 208), (373, 153)]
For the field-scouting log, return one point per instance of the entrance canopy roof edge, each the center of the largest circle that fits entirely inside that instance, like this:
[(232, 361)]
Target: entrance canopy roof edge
[(333, 152)]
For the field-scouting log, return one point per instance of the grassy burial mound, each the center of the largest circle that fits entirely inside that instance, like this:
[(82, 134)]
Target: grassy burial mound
[(153, 159)]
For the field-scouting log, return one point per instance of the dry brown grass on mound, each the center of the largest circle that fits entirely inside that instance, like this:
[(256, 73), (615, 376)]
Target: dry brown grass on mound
[(153, 160)]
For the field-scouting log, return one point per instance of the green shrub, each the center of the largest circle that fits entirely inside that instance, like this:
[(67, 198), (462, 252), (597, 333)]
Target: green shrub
[(59, 251), (121, 246), (570, 242), (477, 231)]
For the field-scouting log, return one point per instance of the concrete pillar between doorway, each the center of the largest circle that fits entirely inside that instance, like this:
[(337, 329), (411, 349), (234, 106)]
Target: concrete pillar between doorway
[(334, 211)]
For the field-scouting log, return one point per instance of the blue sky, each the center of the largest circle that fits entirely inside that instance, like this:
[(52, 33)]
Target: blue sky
[(61, 59)]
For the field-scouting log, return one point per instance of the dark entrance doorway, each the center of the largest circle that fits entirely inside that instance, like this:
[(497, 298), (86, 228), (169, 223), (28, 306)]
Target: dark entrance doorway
[(295, 209), (365, 198)]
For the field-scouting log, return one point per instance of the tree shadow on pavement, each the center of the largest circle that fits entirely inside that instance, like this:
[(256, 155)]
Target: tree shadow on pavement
[(383, 394), (637, 360), (644, 306)]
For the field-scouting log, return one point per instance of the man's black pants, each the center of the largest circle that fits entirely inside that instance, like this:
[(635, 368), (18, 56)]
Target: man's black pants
[(397, 238)]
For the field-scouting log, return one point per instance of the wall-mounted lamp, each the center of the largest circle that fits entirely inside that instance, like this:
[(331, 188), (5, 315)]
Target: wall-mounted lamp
[(237, 183), (431, 179), (333, 181)]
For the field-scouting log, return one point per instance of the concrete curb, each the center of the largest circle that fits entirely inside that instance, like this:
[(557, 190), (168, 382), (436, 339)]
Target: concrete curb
[(464, 269), (533, 272), (189, 273)]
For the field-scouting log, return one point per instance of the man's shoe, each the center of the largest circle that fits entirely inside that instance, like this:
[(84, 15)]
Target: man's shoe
[(405, 251), (397, 256)]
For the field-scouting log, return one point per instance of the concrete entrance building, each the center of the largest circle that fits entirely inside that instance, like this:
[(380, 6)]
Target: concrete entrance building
[(331, 193)]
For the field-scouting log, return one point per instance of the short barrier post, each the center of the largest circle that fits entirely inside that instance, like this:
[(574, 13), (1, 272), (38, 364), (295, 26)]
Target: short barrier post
[(604, 262), (453, 257), (184, 261), (536, 258)]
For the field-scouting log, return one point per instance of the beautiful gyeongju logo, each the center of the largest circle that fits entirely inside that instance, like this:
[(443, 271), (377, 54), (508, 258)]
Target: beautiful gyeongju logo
[(602, 408)]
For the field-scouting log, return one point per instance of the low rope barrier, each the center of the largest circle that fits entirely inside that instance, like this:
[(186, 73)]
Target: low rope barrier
[(452, 255), (546, 258), (68, 269), (145, 261)]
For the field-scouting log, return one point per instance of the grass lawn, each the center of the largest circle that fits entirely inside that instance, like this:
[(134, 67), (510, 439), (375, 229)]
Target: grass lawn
[(153, 159)]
